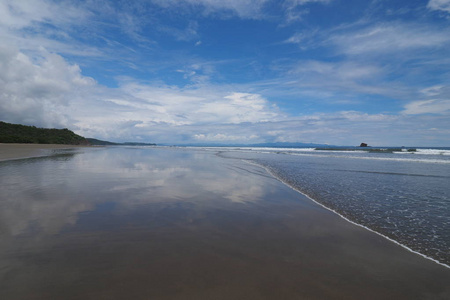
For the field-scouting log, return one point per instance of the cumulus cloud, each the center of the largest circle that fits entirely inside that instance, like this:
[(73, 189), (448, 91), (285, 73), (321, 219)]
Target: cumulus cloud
[(34, 92), (40, 85), (170, 113), (48, 91), (198, 104), (138, 111), (241, 107)]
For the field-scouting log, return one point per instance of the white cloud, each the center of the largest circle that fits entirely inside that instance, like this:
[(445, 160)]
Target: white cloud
[(52, 92), (49, 92), (352, 128), (187, 34), (433, 106), (294, 9), (170, 114), (246, 9), (325, 80), (389, 38), (388, 59), (443, 5), (223, 137), (34, 92), (435, 100), (197, 105), (290, 4), (303, 2), (32, 24), (42, 88), (24, 13), (305, 39), (339, 70), (434, 90)]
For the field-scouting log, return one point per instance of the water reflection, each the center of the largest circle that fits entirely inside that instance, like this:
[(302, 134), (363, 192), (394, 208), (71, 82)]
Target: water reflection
[(45, 195), (131, 223)]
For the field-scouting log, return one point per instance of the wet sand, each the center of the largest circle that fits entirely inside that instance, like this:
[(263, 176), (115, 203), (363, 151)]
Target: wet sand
[(214, 229), (21, 151)]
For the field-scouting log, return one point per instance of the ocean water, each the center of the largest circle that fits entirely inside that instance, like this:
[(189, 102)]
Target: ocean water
[(402, 195)]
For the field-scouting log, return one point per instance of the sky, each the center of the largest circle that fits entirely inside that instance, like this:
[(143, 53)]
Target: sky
[(337, 72)]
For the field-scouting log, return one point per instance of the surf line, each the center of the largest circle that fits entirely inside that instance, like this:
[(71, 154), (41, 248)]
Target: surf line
[(345, 218)]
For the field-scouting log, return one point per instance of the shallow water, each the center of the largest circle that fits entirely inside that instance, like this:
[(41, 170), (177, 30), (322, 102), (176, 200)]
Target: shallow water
[(401, 195), (47, 195), (149, 223)]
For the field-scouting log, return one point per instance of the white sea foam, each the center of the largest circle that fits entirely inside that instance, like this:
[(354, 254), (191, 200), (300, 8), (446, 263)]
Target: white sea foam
[(432, 152), (261, 149), (311, 152), (279, 149), (425, 152), (424, 160), (358, 153)]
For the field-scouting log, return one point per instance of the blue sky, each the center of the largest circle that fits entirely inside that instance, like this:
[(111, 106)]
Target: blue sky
[(237, 71)]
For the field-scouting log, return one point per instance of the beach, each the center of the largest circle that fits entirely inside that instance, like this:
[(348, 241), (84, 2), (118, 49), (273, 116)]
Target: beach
[(151, 223), (20, 151)]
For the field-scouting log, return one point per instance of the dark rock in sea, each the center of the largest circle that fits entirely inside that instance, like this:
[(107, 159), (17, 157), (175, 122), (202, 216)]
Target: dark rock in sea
[(363, 145)]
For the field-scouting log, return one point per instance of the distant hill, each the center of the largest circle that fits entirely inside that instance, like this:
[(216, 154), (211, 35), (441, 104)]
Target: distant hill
[(15, 133), (137, 144), (95, 142)]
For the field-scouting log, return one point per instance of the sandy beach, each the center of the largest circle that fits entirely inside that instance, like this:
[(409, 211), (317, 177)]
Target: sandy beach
[(178, 224), (21, 151)]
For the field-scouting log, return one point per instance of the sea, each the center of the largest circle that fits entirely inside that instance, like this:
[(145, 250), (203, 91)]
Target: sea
[(402, 194)]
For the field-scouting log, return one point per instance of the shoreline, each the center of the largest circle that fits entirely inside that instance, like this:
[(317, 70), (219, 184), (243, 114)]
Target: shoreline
[(12, 151), (16, 151), (231, 231), (352, 222)]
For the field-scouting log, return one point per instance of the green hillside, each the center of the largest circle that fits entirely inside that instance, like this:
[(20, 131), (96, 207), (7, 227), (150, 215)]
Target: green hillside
[(96, 142), (15, 133)]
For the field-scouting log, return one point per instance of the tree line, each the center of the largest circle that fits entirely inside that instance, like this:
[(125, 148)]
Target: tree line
[(16, 133)]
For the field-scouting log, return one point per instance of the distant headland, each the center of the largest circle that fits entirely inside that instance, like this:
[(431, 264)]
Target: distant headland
[(23, 134)]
